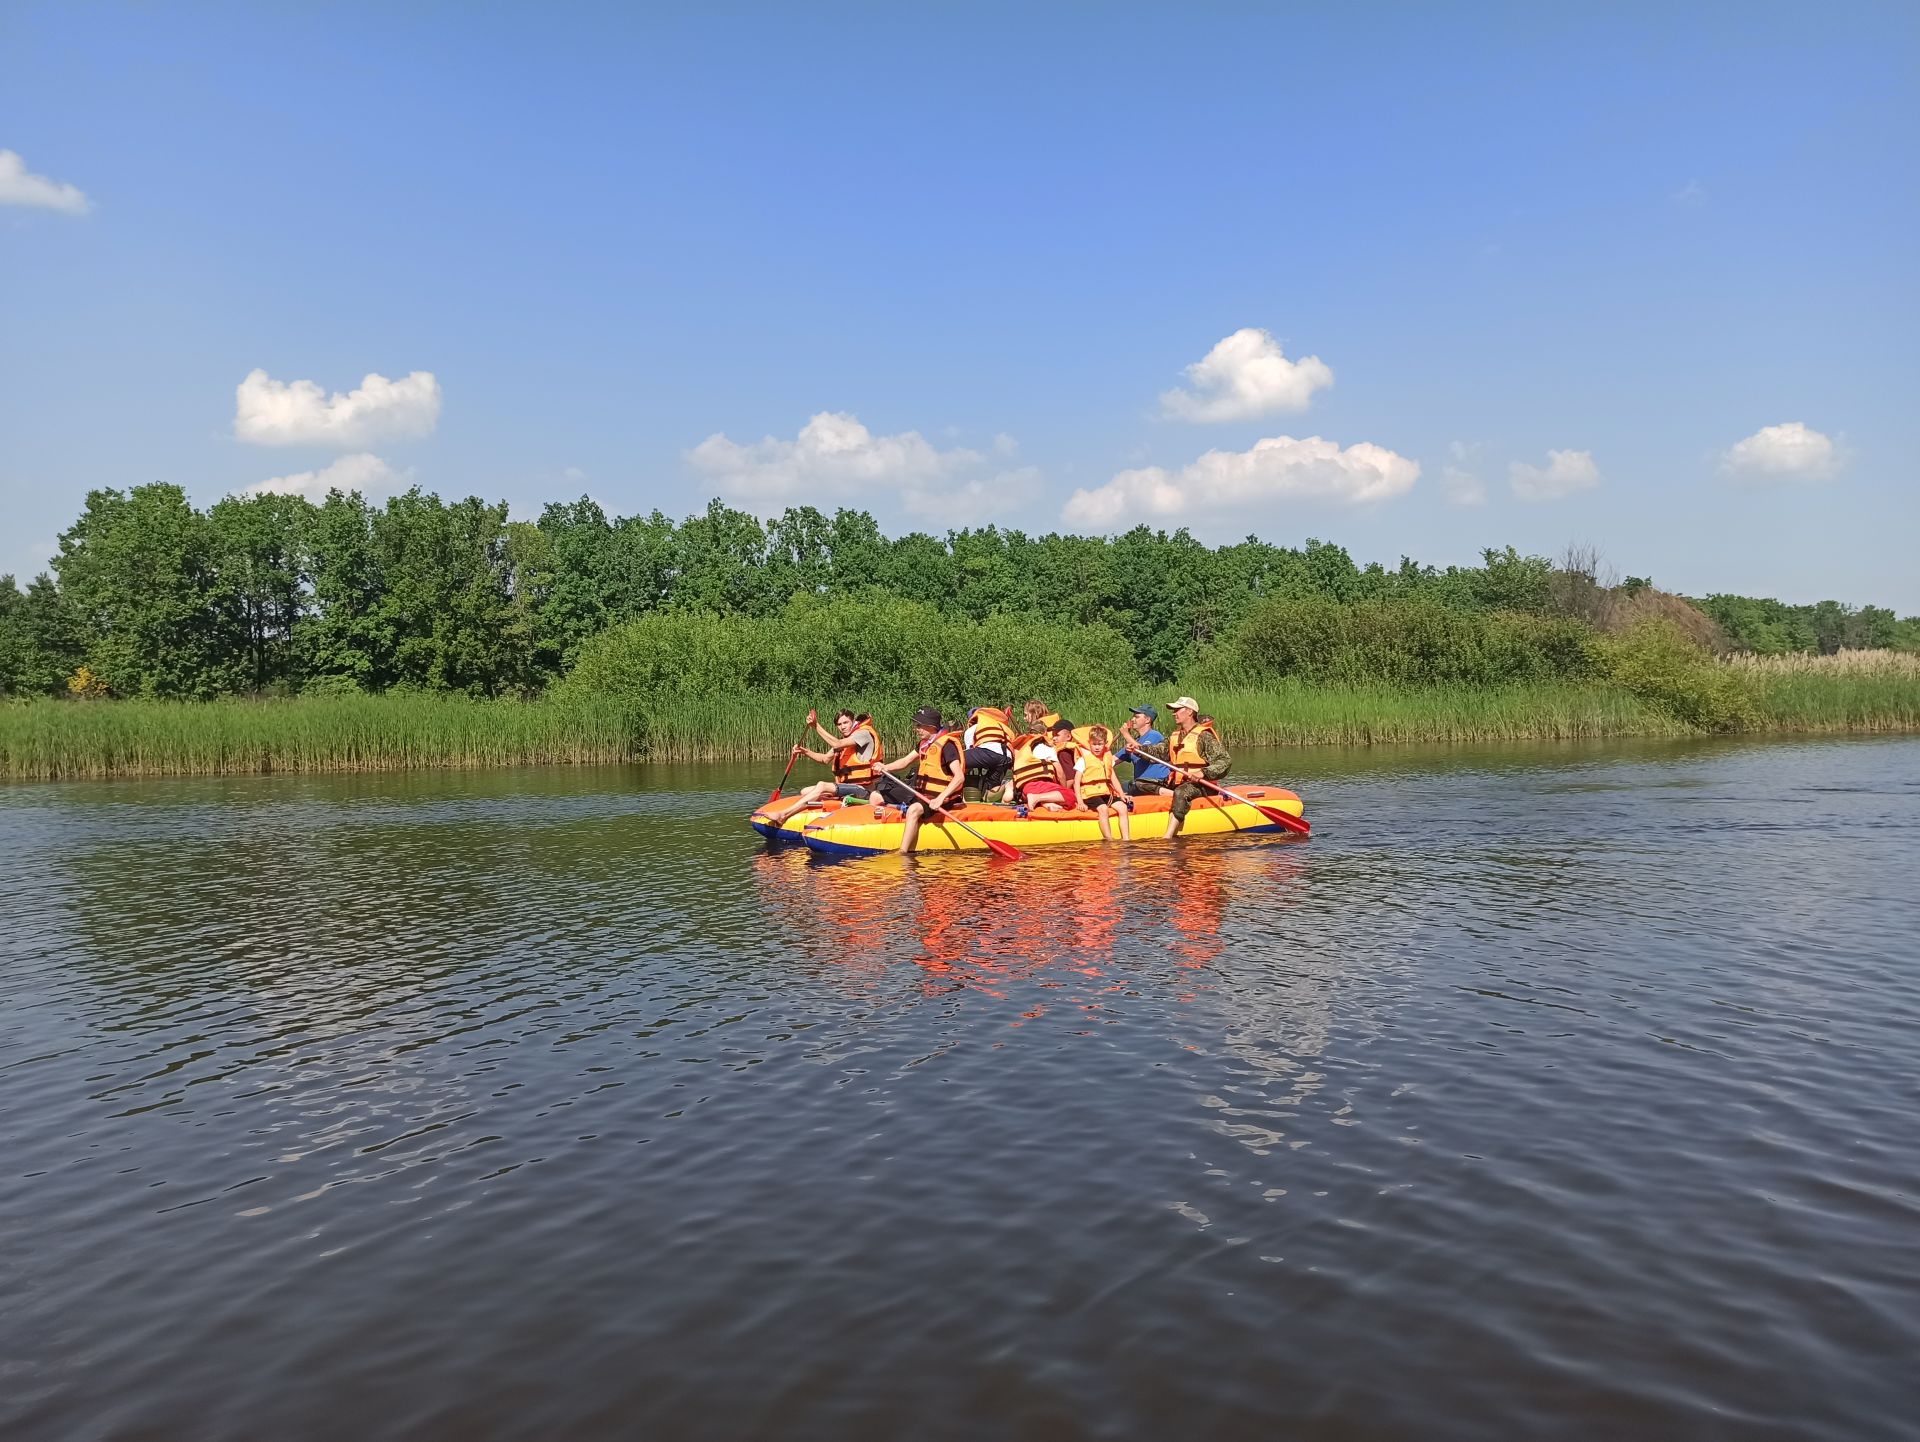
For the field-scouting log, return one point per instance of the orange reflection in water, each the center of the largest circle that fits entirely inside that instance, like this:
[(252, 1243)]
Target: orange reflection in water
[(1055, 920)]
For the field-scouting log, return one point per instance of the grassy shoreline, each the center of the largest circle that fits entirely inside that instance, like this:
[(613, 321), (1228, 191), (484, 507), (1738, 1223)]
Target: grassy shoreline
[(60, 740)]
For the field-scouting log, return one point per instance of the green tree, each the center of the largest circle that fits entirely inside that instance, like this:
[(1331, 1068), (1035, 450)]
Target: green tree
[(139, 573), (446, 595), (260, 546), (37, 649), (722, 564), (348, 640)]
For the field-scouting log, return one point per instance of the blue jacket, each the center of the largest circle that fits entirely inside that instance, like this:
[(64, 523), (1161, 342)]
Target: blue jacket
[(1153, 770)]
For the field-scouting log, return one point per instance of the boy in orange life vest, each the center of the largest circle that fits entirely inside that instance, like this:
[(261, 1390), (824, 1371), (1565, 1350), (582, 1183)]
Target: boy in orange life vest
[(1097, 783), (854, 756), (1053, 791), (942, 772)]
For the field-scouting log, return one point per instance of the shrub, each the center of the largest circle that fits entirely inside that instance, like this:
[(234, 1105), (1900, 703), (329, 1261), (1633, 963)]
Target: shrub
[(1399, 643), (853, 652), (1656, 661)]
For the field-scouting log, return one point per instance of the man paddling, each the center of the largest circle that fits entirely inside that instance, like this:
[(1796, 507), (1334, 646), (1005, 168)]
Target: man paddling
[(942, 771), (1194, 749)]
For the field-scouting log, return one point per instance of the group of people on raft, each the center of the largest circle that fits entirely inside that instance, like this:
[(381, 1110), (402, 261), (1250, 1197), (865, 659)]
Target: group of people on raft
[(1050, 765)]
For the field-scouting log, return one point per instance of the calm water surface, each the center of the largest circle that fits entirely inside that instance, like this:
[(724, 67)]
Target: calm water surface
[(1544, 1093)]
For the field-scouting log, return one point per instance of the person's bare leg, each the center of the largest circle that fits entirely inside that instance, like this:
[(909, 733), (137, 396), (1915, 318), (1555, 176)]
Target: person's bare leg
[(1126, 823), (910, 833), (812, 796)]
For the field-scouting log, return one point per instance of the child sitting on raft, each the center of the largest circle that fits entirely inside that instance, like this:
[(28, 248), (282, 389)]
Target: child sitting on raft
[(1054, 791), (1098, 786)]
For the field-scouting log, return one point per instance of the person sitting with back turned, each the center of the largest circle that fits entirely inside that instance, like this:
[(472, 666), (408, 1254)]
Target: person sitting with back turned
[(941, 772), (1096, 783), (1149, 777), (1194, 750), (989, 746), (853, 755)]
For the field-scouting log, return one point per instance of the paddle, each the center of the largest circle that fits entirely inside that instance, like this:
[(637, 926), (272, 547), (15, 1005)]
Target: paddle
[(1283, 819), (999, 848), (792, 756)]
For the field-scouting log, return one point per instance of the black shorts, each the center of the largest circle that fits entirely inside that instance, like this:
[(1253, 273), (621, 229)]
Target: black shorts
[(849, 790), (891, 789), (1094, 803)]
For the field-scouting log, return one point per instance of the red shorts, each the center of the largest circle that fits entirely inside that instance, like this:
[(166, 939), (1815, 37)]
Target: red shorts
[(1042, 791)]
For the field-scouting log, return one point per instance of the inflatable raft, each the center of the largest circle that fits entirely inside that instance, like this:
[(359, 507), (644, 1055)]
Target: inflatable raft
[(789, 829), (855, 831)]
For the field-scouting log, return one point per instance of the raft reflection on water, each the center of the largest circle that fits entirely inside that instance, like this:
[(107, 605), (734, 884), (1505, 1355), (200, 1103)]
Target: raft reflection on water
[(1055, 921)]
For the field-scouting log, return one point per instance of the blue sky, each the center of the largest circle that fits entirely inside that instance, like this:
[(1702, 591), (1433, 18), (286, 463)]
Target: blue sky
[(984, 245)]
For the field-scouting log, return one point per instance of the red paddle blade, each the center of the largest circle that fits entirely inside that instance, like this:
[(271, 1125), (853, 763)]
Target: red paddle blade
[(1002, 849), (1286, 820)]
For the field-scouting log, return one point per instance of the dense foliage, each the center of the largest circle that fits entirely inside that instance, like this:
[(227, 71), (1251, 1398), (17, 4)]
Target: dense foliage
[(858, 651), (274, 595), (1772, 628), (1416, 642)]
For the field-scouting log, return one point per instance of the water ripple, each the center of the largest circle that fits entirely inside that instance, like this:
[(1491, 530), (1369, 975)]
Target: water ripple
[(1549, 1092)]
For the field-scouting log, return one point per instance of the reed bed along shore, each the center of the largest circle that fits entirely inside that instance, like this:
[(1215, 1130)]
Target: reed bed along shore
[(53, 740), (1838, 663)]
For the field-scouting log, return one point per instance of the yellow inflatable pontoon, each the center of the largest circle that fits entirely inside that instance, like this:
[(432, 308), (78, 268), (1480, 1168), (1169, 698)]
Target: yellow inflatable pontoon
[(855, 831)]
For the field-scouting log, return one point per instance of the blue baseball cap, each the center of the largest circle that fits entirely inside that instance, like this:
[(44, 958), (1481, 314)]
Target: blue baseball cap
[(1151, 713)]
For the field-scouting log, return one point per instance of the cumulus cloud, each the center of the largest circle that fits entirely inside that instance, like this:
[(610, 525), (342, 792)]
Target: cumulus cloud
[(836, 459), (1790, 452), (20, 186), (1564, 473), (973, 501), (1244, 376), (367, 474), (1459, 479), (268, 412), (1279, 468)]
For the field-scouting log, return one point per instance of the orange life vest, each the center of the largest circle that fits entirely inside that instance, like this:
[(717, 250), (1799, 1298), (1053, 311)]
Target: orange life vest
[(848, 768), (1184, 750), (992, 725), (935, 776), (1066, 756), (1096, 778), (1026, 766)]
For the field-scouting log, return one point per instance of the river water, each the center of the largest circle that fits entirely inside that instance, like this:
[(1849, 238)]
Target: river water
[(1546, 1092)]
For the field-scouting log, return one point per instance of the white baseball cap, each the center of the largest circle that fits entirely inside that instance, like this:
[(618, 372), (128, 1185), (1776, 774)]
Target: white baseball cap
[(1186, 701)]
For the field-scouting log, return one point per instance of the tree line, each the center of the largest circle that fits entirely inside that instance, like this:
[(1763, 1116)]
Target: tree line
[(148, 595)]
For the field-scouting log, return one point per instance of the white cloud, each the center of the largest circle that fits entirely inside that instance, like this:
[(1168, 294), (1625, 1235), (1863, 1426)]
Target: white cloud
[(1459, 482), (836, 459), (1279, 468), (972, 502), (1789, 452), (268, 412), (20, 186), (1244, 376), (1564, 473), (369, 475)]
